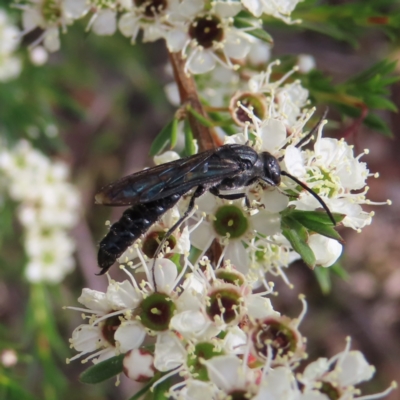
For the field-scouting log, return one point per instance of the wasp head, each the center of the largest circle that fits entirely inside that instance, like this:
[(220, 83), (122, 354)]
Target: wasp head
[(272, 170)]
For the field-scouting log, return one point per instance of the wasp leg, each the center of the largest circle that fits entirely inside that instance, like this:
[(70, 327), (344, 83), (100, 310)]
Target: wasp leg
[(197, 193), (233, 196)]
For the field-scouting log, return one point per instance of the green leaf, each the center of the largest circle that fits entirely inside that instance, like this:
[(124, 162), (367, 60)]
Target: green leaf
[(318, 222), (103, 370), (12, 389), (161, 389), (316, 216), (297, 236), (163, 138), (142, 391), (338, 270), (203, 120), (174, 133), (190, 148), (256, 32), (157, 393), (323, 277), (376, 122)]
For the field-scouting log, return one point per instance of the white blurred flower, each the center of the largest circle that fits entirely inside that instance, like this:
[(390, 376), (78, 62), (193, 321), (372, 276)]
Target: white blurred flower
[(339, 375), (280, 9), (48, 207), (150, 17), (10, 64), (38, 55)]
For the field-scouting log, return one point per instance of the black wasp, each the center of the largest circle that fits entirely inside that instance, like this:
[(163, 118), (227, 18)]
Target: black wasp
[(152, 192)]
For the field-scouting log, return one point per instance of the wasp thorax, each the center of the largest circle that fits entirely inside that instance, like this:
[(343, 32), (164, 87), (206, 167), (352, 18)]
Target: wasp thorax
[(230, 221), (157, 311), (243, 104), (151, 8), (206, 30), (225, 304), (203, 351), (274, 338), (152, 241), (109, 328)]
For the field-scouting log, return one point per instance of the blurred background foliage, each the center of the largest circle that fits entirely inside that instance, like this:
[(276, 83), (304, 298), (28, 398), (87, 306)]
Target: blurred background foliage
[(99, 103)]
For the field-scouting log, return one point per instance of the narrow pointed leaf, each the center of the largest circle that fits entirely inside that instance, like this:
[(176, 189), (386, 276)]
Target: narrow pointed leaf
[(174, 133), (138, 395), (256, 32), (318, 222), (338, 270), (320, 217), (103, 370), (203, 120), (324, 279), (297, 236), (162, 139), (190, 148)]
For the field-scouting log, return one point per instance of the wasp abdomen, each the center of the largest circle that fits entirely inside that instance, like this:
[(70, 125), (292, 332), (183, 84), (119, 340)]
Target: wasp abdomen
[(135, 221)]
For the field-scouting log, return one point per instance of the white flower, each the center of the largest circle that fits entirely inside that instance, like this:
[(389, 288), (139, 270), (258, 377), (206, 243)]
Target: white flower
[(106, 333), (48, 206), (278, 383), (169, 352), (334, 173), (152, 18), (208, 38), (228, 374), (105, 23), (10, 64), (326, 250), (280, 9), (339, 374), (49, 255), (245, 235)]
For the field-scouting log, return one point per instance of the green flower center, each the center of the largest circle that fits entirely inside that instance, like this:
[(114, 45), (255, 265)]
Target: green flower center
[(157, 311), (326, 184), (206, 30), (229, 277), (230, 221), (152, 240), (202, 351), (51, 11)]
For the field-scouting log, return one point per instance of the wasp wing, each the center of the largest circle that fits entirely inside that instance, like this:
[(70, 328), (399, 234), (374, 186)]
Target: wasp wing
[(169, 178)]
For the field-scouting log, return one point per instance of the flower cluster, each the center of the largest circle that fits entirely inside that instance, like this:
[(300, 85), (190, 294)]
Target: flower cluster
[(207, 319), (206, 33), (10, 64), (48, 208), (214, 333)]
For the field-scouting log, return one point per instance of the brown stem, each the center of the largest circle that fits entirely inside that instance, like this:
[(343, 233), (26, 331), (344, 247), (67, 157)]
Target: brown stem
[(206, 138)]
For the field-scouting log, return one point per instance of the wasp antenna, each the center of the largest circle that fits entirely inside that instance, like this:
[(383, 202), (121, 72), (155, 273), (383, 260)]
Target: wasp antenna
[(304, 186), (313, 130)]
